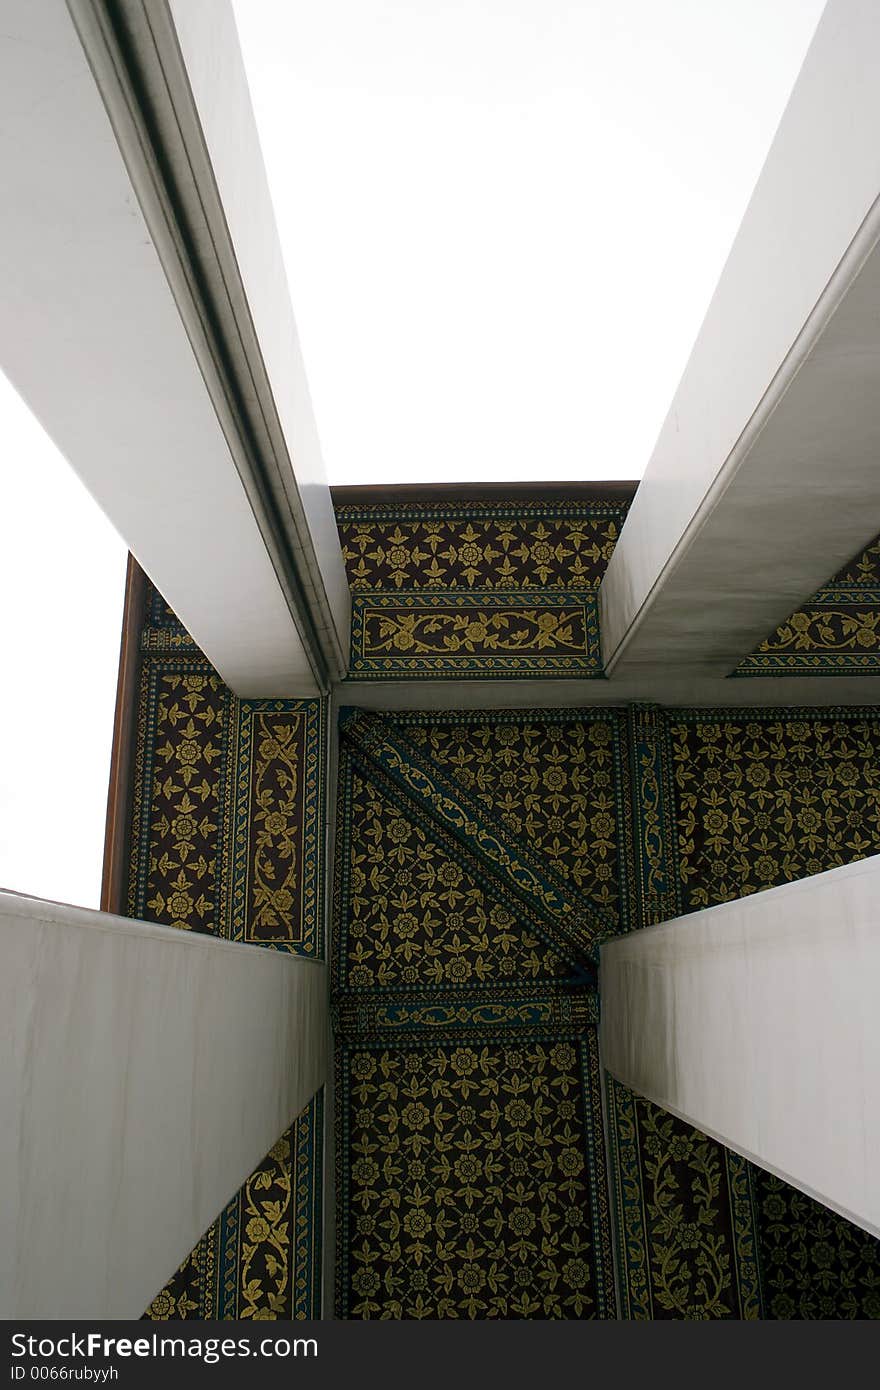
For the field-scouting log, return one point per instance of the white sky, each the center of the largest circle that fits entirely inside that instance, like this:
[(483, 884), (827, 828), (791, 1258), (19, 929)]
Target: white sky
[(502, 224), (62, 577), (503, 219)]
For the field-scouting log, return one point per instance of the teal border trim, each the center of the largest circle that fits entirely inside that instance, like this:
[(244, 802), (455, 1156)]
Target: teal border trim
[(744, 1224), (807, 664), (308, 1198), (502, 509), (591, 1095), (761, 714), (654, 814), (342, 1134), (627, 1210)]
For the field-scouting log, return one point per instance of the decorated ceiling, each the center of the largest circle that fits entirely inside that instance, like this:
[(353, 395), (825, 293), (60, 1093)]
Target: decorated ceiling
[(484, 1166), (499, 587), (476, 588), (483, 1169)]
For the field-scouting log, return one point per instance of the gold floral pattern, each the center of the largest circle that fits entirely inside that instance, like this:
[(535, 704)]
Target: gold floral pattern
[(830, 629), (474, 590), (693, 1270), (683, 1205), (226, 822), (815, 1264), (451, 631), (266, 1245), (470, 1162), (760, 797), (226, 838), (277, 815), (552, 783), (765, 799), (410, 914), (836, 633), (689, 1243), (864, 569), (478, 546), (257, 1259), (474, 633), (179, 880), (470, 1194), (573, 922)]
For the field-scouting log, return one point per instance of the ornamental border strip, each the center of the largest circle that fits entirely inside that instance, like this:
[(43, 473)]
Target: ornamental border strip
[(654, 803), (309, 1217), (806, 663), (364, 1014), (757, 714), (596, 1152), (849, 594), (306, 1241), (312, 832), (474, 665), (558, 714), (348, 513), (632, 1259), (744, 1223)]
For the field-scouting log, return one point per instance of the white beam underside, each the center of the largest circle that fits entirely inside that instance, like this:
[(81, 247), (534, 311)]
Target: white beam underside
[(756, 1022), (212, 56), (659, 686), (91, 338), (145, 1072), (765, 477)]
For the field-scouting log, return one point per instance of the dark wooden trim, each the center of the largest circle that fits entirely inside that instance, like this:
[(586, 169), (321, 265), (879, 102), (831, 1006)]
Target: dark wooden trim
[(116, 848), (389, 493)]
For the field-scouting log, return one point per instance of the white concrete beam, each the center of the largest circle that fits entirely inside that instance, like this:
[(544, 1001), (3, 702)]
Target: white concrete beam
[(214, 105), (765, 478), (756, 1021), (113, 331), (670, 688), (144, 1073)]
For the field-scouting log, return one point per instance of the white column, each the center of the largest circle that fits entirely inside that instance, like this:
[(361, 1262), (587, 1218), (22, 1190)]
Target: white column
[(144, 1073), (764, 479), (126, 326), (757, 1022), (210, 90)]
